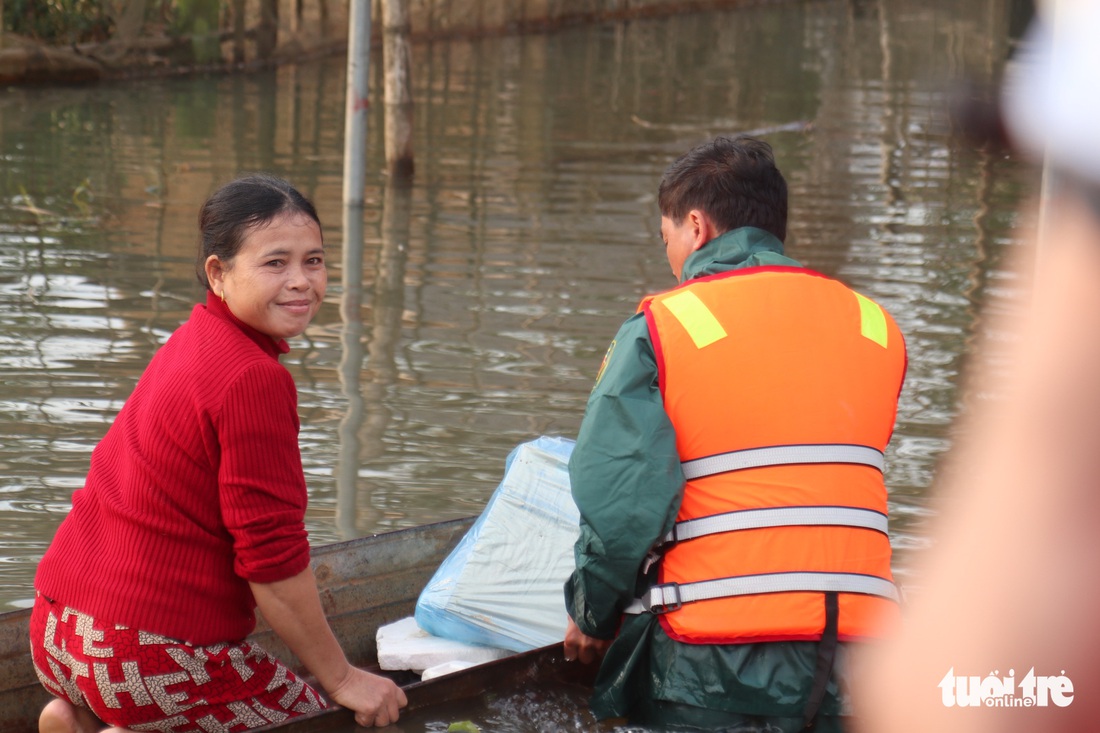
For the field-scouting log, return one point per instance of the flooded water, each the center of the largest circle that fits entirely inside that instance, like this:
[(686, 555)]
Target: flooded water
[(491, 286), (560, 708)]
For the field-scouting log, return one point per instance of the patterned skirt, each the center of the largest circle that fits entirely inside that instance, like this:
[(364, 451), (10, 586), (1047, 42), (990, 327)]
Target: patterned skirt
[(143, 681)]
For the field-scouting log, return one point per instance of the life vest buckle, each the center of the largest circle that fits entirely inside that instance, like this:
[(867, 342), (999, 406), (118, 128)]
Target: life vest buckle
[(654, 556), (664, 603), (659, 549)]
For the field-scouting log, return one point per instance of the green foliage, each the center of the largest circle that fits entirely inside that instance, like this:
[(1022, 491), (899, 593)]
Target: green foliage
[(199, 19), (59, 21), (463, 726)]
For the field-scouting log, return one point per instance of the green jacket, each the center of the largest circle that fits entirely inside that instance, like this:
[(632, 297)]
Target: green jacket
[(627, 483)]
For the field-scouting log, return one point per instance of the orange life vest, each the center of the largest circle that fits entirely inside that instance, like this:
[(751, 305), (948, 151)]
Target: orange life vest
[(782, 385)]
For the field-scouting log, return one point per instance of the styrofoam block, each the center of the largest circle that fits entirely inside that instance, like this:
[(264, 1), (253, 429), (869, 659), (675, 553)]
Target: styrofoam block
[(404, 645), (446, 668)]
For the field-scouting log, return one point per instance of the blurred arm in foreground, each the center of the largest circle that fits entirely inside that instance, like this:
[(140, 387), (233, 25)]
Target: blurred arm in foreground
[(1011, 586)]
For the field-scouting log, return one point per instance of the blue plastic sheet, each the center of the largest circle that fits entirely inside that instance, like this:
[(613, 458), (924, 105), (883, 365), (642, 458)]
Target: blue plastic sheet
[(502, 585)]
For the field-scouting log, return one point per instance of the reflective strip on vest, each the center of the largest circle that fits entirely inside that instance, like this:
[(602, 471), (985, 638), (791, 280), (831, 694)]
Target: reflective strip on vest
[(696, 318), (779, 455), (872, 321), (671, 596), (836, 516)]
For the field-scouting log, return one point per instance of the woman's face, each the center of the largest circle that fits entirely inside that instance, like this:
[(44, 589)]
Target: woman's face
[(277, 281)]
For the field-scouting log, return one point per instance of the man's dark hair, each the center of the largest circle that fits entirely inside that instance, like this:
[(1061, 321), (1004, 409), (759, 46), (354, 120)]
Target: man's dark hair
[(734, 181)]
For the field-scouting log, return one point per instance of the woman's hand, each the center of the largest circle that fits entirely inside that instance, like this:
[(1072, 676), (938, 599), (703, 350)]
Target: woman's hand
[(376, 700), (293, 610)]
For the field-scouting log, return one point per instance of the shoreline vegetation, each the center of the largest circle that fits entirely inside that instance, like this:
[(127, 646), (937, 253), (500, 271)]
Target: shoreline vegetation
[(157, 38)]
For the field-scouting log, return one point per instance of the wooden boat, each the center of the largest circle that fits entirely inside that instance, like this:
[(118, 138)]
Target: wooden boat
[(364, 583)]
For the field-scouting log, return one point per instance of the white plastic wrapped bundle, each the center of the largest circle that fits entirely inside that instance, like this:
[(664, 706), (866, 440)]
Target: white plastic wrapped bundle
[(502, 585)]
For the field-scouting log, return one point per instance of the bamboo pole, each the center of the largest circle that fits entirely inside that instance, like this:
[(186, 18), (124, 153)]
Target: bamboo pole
[(357, 102)]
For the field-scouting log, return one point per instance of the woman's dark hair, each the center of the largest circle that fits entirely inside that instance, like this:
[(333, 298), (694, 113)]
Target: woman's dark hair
[(237, 207), (734, 181)]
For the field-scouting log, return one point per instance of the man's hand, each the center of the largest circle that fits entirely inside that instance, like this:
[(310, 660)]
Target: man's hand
[(376, 700), (579, 645)]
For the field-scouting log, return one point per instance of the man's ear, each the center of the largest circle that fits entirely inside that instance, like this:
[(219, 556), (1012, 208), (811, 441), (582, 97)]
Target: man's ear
[(702, 229)]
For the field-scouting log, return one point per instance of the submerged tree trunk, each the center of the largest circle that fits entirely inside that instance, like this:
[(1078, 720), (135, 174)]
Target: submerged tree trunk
[(238, 31), (267, 34), (398, 93)]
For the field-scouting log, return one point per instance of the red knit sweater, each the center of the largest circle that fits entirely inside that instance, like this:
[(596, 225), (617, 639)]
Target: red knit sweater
[(196, 489)]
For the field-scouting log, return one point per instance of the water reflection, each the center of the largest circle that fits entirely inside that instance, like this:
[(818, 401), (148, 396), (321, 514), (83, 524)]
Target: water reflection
[(368, 387), (474, 305), (351, 310)]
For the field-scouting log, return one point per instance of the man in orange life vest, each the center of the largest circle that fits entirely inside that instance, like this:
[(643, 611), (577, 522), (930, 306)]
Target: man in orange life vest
[(729, 472)]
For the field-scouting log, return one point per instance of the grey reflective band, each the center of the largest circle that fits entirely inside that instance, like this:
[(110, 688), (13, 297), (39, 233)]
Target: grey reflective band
[(788, 516), (781, 455), (671, 596)]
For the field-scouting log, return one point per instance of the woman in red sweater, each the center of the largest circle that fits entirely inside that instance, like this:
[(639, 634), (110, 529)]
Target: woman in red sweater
[(192, 513)]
